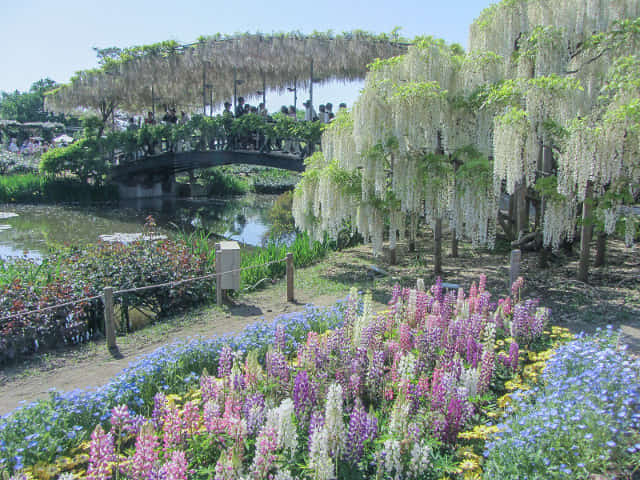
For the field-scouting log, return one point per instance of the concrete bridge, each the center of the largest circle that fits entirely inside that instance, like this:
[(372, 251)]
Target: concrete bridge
[(154, 175)]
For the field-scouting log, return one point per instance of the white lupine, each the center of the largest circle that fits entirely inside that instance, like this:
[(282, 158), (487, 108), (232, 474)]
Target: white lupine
[(320, 459), (285, 426), (390, 458), (469, 379), (407, 367), (333, 420), (420, 462)]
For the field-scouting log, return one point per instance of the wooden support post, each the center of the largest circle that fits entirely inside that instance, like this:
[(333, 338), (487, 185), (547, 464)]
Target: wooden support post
[(109, 321), (218, 276), (290, 277), (514, 267), (204, 90), (437, 254)]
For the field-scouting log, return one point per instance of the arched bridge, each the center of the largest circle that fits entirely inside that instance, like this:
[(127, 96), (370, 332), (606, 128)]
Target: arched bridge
[(172, 162), (154, 175)]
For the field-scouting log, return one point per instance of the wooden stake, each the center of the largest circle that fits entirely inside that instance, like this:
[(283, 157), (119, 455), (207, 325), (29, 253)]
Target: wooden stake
[(290, 277), (218, 275), (109, 321), (514, 266)]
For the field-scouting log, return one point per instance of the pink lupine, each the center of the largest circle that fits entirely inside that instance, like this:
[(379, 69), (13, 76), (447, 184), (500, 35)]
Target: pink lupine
[(176, 468), (406, 337), (266, 445), (145, 458), (191, 418), (101, 455), (120, 418), (172, 428), (486, 370)]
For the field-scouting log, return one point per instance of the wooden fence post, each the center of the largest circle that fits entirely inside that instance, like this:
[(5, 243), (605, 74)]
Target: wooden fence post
[(109, 321), (514, 267), (218, 275), (289, 277)]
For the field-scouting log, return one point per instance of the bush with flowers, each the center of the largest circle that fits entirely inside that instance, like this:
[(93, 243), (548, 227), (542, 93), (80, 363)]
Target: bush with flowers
[(382, 395)]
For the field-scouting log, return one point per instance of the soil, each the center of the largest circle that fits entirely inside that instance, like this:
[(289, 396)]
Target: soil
[(612, 297)]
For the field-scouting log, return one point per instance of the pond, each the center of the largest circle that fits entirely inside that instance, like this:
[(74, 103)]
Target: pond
[(29, 230)]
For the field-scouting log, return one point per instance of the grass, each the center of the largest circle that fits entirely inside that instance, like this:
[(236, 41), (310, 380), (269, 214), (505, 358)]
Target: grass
[(29, 188)]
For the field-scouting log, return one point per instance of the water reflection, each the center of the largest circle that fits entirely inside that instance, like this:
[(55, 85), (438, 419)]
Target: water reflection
[(34, 228)]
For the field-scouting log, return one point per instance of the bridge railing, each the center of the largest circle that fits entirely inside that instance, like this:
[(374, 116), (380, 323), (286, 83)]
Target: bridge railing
[(201, 133)]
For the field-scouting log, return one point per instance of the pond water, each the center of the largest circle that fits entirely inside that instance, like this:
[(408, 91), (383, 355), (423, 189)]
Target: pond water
[(29, 230)]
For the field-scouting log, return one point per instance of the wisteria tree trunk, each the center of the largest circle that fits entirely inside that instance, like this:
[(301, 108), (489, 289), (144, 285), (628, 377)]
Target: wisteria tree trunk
[(586, 233), (437, 249)]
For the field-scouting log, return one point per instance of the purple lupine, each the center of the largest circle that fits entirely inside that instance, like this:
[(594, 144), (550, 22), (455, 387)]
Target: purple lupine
[(483, 302), (177, 467), (101, 455), (395, 294), (474, 350), (316, 422), (280, 338), (278, 367), (362, 428), (303, 396), (159, 410), (455, 419), (436, 290), (225, 361), (210, 388), (375, 374), (486, 370), (514, 350), (254, 413), (145, 458)]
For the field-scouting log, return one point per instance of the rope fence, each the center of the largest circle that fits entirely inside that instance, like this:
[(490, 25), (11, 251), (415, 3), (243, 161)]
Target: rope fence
[(109, 293)]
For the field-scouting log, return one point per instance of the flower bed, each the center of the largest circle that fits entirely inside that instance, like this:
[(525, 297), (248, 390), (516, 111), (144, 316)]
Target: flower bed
[(584, 419), (380, 395), (48, 428)]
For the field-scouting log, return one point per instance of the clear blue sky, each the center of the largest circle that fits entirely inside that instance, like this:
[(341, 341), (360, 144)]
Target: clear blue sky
[(55, 38)]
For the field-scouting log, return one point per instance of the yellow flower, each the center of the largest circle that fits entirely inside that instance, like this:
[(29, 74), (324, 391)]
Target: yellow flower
[(468, 464), (504, 400)]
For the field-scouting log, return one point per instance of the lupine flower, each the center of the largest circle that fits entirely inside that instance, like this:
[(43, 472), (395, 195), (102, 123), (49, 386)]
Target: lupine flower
[(303, 396), (362, 428), (513, 356), (145, 458), (176, 468), (101, 454), (320, 460), (266, 445), (225, 362)]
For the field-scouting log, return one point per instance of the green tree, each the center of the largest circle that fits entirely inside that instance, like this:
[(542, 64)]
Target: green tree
[(26, 106)]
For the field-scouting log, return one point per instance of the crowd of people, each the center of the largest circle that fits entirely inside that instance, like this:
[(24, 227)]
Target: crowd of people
[(30, 146)]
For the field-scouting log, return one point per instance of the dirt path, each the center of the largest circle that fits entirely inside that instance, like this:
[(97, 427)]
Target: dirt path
[(612, 297)]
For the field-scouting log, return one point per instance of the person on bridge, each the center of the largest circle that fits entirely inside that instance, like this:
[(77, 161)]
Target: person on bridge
[(240, 107), (309, 112)]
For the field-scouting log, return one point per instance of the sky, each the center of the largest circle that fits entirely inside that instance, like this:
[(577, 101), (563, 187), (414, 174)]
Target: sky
[(55, 39)]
